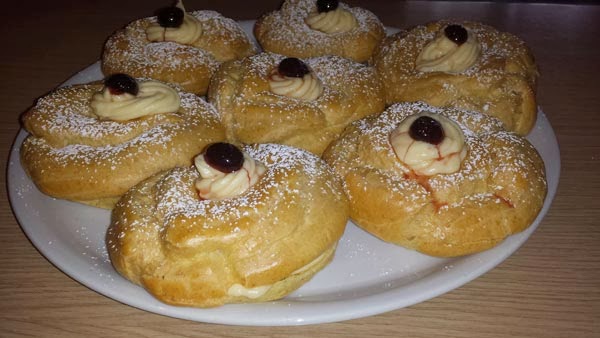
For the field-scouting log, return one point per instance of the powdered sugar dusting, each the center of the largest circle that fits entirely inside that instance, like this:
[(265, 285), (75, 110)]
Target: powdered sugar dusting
[(285, 31), (70, 148), (65, 116), (290, 176), (496, 48), (242, 94), (129, 51), (497, 160), (500, 83)]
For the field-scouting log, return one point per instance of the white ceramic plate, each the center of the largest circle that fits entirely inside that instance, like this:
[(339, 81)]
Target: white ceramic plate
[(366, 277)]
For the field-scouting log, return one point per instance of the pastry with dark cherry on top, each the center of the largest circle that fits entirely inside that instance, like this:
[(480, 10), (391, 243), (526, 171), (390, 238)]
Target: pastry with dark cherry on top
[(176, 46), (466, 65), (268, 98), (308, 28), (442, 181), (89, 143), (244, 224)]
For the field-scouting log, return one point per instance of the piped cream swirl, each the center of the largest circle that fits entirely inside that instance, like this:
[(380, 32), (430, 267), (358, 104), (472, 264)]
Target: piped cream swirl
[(188, 33), (332, 22), (307, 88), (216, 185), (153, 98), (443, 55), (425, 158)]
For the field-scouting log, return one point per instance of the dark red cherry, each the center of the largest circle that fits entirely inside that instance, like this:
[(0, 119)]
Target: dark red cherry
[(456, 33), (427, 130), (293, 67), (327, 5), (119, 83), (225, 157), (170, 17)]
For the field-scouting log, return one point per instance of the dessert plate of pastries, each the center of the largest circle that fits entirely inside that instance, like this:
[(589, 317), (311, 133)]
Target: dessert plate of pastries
[(306, 167)]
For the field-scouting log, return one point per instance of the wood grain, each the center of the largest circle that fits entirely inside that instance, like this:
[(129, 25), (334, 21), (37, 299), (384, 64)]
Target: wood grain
[(548, 288)]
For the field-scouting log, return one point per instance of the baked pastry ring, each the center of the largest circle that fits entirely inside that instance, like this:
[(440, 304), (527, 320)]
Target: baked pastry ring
[(257, 246), (497, 189), (73, 154), (252, 113), (191, 65), (501, 82), (286, 32)]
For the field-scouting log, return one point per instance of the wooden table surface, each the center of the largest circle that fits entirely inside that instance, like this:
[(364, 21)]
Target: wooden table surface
[(549, 288)]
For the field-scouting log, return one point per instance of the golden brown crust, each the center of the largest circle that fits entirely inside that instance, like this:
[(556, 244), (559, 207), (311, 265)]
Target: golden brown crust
[(73, 155), (285, 32), (501, 83), (253, 114), (498, 191), (129, 51), (188, 251)]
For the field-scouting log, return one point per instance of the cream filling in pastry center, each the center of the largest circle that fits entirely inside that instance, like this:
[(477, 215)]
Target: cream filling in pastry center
[(188, 33), (153, 98), (216, 185), (307, 88), (425, 158), (238, 290), (443, 55), (332, 22)]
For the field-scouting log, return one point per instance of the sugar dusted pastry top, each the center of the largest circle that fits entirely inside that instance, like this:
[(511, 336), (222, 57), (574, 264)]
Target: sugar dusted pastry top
[(130, 51), (496, 47), (498, 189), (252, 113), (500, 82), (259, 244), (285, 31), (73, 154)]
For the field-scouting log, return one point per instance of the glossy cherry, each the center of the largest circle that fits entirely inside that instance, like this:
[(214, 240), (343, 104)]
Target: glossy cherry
[(293, 67), (170, 17), (456, 33), (427, 129), (225, 157), (327, 5), (120, 83)]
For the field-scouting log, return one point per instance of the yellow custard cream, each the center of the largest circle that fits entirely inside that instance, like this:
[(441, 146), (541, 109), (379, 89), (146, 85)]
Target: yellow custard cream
[(444, 55), (238, 290), (332, 22), (425, 158), (153, 98), (216, 185), (307, 88), (189, 31)]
